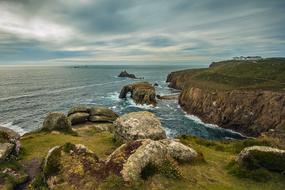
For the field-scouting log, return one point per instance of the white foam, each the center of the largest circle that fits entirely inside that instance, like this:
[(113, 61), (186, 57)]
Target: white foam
[(56, 91), (209, 125), (14, 127), (114, 96), (144, 106)]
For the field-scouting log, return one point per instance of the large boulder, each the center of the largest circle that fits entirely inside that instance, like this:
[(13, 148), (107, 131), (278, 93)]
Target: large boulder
[(56, 121), (78, 109), (79, 117), (131, 158), (102, 114), (71, 167), (5, 151), (141, 93), (138, 125), (262, 156), (9, 136)]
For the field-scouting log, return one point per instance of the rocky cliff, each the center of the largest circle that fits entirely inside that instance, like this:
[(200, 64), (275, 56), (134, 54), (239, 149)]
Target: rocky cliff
[(248, 112), (232, 96)]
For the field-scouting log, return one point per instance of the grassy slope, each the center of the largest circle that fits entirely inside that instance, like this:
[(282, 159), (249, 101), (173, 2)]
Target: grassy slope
[(211, 174), (227, 75)]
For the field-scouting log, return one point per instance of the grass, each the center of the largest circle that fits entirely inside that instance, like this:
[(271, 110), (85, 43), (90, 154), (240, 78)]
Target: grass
[(37, 145), (267, 74), (217, 171)]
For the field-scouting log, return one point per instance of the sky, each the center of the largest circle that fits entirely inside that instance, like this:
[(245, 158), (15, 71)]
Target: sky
[(139, 31)]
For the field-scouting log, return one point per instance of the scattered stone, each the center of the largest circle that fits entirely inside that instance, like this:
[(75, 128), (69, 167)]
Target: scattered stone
[(141, 93), (138, 125), (56, 121), (79, 117), (102, 114), (262, 156)]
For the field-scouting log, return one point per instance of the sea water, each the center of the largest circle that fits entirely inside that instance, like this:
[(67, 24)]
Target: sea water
[(27, 94)]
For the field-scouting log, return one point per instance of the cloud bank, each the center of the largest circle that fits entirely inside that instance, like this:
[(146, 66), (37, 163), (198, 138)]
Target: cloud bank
[(188, 31)]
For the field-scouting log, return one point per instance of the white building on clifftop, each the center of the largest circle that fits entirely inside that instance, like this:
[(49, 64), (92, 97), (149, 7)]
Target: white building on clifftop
[(250, 58)]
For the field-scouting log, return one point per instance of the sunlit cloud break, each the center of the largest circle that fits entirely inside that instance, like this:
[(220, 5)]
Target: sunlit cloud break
[(188, 31)]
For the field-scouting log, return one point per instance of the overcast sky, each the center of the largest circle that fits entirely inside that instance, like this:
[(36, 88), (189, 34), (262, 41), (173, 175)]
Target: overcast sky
[(175, 31)]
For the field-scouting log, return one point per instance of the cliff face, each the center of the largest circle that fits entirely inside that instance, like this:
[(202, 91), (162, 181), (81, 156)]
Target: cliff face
[(248, 112), (246, 96)]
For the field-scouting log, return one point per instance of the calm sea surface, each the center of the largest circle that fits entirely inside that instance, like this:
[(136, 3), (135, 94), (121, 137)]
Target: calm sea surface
[(27, 94)]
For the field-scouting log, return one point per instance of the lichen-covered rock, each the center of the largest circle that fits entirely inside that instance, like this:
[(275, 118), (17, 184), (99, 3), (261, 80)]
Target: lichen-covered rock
[(5, 151), (262, 156), (9, 136), (56, 121), (178, 150), (141, 93), (138, 125), (79, 109), (131, 158), (79, 117), (71, 167), (102, 114)]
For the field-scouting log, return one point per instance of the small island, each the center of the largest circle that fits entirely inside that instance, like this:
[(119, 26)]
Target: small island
[(127, 75)]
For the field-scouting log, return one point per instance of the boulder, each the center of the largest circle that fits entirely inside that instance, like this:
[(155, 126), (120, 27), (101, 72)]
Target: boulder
[(9, 136), (262, 156), (5, 151), (79, 117), (141, 93), (79, 109), (71, 166), (126, 74), (138, 125), (56, 121), (131, 158), (102, 114)]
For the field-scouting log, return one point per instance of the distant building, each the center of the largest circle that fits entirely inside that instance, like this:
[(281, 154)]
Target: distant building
[(250, 58)]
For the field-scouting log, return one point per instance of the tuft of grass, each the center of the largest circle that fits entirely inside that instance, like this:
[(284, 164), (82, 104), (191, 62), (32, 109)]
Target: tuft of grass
[(38, 183), (255, 173), (112, 182)]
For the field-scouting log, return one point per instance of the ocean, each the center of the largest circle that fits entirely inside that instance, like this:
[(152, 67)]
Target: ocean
[(27, 94)]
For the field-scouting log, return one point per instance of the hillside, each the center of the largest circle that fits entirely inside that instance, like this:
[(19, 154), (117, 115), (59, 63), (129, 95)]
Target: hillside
[(266, 74), (246, 96)]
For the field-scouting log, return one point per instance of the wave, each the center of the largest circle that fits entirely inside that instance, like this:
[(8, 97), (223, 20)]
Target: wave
[(16, 128), (56, 91), (144, 106), (209, 125)]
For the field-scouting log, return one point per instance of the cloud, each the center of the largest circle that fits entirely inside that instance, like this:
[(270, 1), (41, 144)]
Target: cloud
[(148, 30)]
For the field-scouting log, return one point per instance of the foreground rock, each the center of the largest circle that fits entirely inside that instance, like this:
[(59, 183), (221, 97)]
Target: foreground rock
[(133, 157), (126, 74), (141, 93), (138, 125), (9, 143), (262, 156), (70, 167), (56, 121)]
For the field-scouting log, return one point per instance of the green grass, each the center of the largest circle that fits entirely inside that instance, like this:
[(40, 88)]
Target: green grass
[(227, 75), (216, 172)]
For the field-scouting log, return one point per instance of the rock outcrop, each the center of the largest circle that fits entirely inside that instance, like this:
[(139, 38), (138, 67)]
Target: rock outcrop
[(248, 112), (126, 74), (167, 97), (9, 143), (133, 157), (83, 114), (56, 121), (141, 93), (262, 156), (138, 125), (102, 114)]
